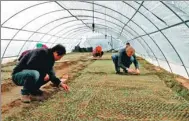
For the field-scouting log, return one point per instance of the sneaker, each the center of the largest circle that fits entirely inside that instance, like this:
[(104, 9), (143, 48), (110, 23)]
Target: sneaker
[(120, 73), (25, 99), (37, 98), (37, 92)]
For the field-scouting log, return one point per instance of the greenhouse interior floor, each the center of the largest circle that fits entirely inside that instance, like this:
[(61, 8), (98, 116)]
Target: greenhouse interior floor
[(97, 93)]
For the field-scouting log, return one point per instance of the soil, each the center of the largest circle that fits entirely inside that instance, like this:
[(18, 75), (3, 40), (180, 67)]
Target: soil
[(10, 96), (7, 86), (183, 81)]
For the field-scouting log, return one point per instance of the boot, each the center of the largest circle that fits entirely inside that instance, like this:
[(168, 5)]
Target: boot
[(37, 97), (25, 99)]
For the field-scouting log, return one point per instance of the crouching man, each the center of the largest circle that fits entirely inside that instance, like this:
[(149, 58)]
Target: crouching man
[(97, 52), (36, 69), (124, 59)]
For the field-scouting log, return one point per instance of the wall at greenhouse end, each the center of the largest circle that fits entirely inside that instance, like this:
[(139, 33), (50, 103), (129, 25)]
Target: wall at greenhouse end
[(11, 59), (7, 60), (177, 69)]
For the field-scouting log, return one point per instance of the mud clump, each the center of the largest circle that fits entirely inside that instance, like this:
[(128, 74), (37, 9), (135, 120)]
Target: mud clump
[(7, 86)]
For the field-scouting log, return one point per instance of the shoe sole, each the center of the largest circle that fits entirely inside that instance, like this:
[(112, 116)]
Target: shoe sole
[(26, 101), (35, 99)]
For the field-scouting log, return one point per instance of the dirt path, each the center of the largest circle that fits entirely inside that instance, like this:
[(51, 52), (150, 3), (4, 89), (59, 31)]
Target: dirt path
[(10, 99)]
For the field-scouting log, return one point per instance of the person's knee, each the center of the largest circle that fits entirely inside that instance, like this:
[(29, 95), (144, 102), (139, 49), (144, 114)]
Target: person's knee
[(32, 80), (94, 55), (102, 53), (113, 57), (33, 75)]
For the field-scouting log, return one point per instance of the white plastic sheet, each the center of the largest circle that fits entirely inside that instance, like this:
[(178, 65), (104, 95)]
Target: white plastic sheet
[(158, 30)]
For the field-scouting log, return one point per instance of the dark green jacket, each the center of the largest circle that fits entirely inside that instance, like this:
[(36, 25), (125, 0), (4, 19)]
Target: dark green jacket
[(41, 60), (124, 61)]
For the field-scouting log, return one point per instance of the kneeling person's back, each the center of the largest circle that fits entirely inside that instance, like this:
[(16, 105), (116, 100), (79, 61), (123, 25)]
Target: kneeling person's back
[(36, 68), (41, 60), (124, 59)]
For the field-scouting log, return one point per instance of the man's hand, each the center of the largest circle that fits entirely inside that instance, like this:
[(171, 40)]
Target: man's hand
[(130, 70), (46, 78), (64, 86)]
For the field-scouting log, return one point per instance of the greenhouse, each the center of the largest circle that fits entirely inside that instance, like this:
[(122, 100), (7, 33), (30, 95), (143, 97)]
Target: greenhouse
[(158, 36)]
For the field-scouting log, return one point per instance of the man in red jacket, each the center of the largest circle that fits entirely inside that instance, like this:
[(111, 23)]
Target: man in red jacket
[(97, 52)]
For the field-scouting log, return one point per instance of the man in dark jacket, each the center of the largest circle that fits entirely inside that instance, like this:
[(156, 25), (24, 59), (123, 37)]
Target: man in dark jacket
[(36, 69), (124, 59)]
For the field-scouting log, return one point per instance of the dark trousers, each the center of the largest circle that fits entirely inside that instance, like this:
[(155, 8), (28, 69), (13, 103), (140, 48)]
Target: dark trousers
[(98, 54), (115, 61), (30, 80)]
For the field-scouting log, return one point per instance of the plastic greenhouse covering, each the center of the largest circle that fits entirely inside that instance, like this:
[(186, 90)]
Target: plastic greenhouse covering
[(158, 30)]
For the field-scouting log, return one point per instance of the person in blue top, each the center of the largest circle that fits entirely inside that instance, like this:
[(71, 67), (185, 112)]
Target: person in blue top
[(124, 59)]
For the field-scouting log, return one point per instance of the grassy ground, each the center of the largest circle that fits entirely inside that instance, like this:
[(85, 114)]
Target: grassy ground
[(169, 79), (99, 94)]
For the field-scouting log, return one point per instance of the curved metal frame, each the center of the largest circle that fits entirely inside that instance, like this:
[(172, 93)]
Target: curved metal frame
[(85, 16), (73, 31), (57, 19), (148, 34), (96, 24), (174, 13), (42, 27), (79, 33), (95, 17), (66, 17), (148, 47), (139, 41), (22, 28), (127, 31), (77, 20), (23, 40), (131, 18), (168, 39), (27, 30), (56, 27), (70, 13), (152, 38), (53, 21), (74, 34), (108, 8), (58, 38), (66, 31), (70, 27), (24, 10)]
